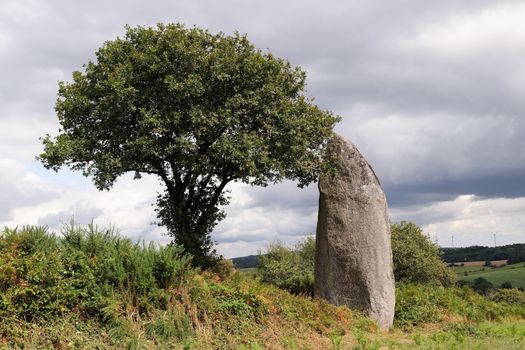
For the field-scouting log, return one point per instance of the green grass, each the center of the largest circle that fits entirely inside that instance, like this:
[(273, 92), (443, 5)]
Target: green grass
[(515, 274)]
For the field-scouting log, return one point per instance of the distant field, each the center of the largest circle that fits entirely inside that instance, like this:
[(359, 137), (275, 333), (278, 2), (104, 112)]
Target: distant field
[(515, 274), (248, 270)]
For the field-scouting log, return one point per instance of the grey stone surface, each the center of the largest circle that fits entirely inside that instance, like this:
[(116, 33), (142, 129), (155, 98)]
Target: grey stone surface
[(353, 261)]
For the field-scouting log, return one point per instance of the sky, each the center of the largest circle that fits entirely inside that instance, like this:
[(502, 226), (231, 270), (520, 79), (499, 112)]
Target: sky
[(431, 92)]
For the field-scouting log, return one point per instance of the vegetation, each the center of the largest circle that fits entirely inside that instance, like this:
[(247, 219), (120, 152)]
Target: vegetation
[(91, 288), (515, 253), (513, 274), (246, 262), (423, 304), (95, 272), (290, 269), (416, 258), (197, 110)]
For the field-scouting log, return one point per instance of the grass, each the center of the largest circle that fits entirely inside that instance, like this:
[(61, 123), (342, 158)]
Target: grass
[(88, 288), (515, 274)]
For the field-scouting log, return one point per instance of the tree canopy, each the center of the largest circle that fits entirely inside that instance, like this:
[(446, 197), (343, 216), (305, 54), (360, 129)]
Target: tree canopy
[(199, 110)]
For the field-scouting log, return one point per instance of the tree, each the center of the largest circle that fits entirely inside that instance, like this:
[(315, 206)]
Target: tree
[(482, 286), (196, 109), (416, 258), (506, 285)]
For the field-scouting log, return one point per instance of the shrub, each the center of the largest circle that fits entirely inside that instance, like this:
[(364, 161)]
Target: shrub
[(87, 269), (482, 286), (224, 269), (510, 296), (416, 258), (419, 304), (289, 268), (506, 285)]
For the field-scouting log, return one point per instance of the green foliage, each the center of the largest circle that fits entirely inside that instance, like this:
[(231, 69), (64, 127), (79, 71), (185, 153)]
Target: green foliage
[(515, 253), (482, 286), (199, 110), (42, 275), (511, 296), (416, 258), (236, 302), (290, 269), (91, 288), (420, 304), (506, 285), (172, 325)]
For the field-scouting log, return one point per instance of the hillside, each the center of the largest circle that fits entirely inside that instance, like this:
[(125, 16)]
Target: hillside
[(515, 274), (514, 253), (92, 289), (246, 262)]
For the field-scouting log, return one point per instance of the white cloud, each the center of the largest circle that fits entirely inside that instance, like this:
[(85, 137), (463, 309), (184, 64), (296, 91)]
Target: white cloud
[(473, 35), (471, 220), (20, 188), (128, 206)]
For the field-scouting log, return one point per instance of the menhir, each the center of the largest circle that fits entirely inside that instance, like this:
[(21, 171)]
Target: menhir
[(353, 261)]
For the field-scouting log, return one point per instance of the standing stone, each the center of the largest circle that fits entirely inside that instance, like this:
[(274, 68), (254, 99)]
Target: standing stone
[(353, 260)]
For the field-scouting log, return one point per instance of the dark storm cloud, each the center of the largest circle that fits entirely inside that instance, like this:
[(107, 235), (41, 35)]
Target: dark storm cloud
[(508, 185)]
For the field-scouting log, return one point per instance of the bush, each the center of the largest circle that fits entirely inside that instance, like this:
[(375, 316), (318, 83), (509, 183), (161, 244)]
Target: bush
[(87, 269), (506, 285), (224, 269), (420, 304), (482, 286), (510, 296), (289, 268), (416, 258)]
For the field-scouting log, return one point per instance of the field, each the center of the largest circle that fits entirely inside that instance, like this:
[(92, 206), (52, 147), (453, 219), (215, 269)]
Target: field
[(515, 274)]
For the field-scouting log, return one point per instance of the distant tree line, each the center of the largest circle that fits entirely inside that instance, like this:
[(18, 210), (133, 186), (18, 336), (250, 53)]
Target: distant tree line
[(246, 262), (514, 253)]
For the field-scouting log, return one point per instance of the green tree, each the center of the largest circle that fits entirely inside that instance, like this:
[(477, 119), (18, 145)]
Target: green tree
[(482, 286), (196, 109), (416, 258)]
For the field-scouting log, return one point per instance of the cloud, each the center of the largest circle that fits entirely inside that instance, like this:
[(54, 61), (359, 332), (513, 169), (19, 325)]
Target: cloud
[(440, 154), (78, 213), (431, 92), (470, 219), (20, 188)]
